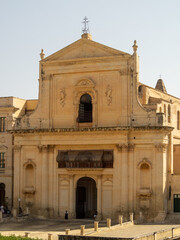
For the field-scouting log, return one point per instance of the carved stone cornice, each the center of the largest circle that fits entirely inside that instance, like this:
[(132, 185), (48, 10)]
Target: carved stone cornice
[(125, 147), (85, 169), (89, 129), (161, 147)]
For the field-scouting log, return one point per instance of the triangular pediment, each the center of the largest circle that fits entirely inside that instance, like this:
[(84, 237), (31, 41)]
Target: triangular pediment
[(84, 48)]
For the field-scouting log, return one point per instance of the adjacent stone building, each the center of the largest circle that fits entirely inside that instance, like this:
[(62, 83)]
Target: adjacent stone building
[(98, 139), (11, 110)]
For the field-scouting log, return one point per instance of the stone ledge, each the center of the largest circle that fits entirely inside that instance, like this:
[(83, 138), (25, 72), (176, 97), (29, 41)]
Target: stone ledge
[(90, 129)]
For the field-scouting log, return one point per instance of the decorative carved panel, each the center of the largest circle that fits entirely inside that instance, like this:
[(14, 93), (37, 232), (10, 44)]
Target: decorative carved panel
[(108, 94), (62, 96)]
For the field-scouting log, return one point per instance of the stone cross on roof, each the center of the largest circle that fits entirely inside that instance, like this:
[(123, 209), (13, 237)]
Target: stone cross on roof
[(85, 29)]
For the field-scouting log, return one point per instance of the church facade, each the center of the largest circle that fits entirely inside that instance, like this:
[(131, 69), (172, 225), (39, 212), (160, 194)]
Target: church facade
[(98, 139)]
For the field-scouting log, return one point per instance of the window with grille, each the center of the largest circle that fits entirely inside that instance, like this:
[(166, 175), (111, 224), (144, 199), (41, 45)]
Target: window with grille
[(2, 124), (2, 160), (85, 109)]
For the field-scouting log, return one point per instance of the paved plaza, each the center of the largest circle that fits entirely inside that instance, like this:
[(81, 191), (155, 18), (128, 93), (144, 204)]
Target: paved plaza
[(41, 228)]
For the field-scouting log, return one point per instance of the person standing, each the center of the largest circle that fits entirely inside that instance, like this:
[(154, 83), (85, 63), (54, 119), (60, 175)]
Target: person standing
[(66, 214), (2, 209)]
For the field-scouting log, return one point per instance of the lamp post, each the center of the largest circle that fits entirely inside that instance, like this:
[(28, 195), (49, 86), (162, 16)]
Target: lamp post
[(19, 201)]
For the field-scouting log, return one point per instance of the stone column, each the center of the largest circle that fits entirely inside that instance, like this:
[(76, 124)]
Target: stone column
[(161, 179), (171, 160), (96, 226), (17, 175), (67, 231), (45, 188), (99, 197), (71, 197), (56, 187), (82, 230), (120, 219), (124, 177), (50, 179), (131, 175), (108, 222)]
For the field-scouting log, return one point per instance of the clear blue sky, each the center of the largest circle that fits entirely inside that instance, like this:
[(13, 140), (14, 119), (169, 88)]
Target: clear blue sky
[(28, 25)]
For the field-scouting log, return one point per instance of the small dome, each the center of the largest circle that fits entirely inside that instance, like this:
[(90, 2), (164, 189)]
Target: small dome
[(160, 86)]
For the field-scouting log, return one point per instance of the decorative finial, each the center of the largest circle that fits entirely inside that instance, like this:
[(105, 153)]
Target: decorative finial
[(42, 54), (135, 46), (85, 29), (160, 76)]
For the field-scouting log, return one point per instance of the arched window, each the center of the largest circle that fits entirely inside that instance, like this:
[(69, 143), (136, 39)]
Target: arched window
[(165, 110), (85, 109), (140, 89), (169, 113)]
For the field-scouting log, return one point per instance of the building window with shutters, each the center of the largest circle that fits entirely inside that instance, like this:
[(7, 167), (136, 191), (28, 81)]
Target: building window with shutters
[(85, 109), (2, 124), (2, 160)]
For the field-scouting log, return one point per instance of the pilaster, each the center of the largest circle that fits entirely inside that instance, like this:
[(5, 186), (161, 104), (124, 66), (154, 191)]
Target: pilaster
[(72, 200), (131, 176), (126, 171), (99, 197), (123, 148), (161, 180), (50, 179), (17, 175), (43, 149)]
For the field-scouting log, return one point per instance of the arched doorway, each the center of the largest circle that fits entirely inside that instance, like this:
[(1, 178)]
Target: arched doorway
[(2, 194), (86, 198)]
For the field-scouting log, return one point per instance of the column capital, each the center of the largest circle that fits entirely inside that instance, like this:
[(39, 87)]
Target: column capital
[(45, 148), (71, 177), (130, 147), (17, 148), (42, 148), (125, 147), (99, 177), (161, 147), (51, 148)]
